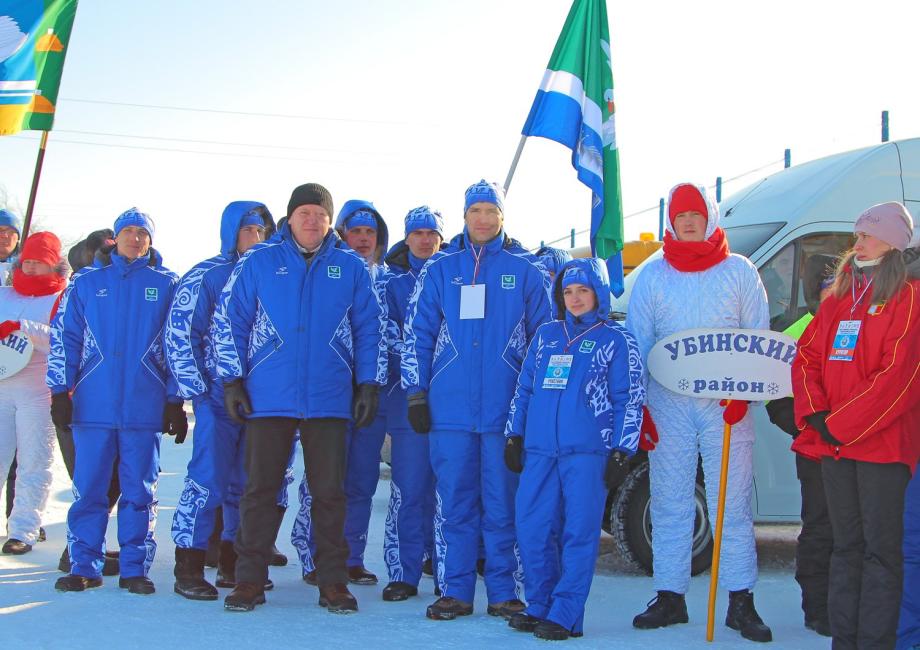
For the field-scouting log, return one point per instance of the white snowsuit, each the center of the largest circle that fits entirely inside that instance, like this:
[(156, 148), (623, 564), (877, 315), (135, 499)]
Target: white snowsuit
[(664, 301), (25, 416)]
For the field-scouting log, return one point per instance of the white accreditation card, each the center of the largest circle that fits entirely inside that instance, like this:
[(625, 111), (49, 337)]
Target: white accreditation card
[(472, 301), (845, 340), (557, 372)]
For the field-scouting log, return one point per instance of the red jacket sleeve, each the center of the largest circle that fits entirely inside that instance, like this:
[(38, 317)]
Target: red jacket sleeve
[(807, 369), (891, 391)]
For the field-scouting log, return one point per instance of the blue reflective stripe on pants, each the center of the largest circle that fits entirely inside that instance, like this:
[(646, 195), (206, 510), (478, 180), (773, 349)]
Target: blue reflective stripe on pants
[(138, 470), (409, 535), (475, 495)]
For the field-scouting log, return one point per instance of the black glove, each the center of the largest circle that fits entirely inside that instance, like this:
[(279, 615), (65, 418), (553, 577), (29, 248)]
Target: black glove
[(782, 414), (175, 423), (235, 400), (61, 409), (617, 469), (816, 420), (364, 406), (419, 414), (514, 449)]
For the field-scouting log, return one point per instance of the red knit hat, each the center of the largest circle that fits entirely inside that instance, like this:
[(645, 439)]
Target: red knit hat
[(686, 198), (43, 247)]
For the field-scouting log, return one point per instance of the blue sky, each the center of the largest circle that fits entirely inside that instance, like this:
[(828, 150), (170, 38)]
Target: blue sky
[(409, 102)]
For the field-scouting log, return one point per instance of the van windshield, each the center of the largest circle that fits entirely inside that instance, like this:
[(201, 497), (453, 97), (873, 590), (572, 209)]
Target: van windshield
[(744, 240)]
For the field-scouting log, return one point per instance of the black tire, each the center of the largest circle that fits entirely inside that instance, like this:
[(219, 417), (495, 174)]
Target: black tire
[(631, 524)]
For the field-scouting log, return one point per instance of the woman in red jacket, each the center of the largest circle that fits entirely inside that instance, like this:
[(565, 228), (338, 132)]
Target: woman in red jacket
[(857, 403)]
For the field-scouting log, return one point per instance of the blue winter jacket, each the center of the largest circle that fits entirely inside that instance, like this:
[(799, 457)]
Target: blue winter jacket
[(301, 335), (107, 343), (189, 348), (470, 366), (600, 408), (398, 285)]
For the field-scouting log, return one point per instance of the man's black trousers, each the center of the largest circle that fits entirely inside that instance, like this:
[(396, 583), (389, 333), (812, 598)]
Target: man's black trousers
[(866, 505), (816, 541), (268, 447)]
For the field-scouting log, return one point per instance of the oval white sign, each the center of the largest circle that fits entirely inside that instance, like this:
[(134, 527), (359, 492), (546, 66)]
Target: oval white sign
[(15, 353), (753, 365)]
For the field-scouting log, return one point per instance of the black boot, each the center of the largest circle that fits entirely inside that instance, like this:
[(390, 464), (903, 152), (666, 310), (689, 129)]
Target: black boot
[(337, 599), (549, 631), (396, 591), (427, 568), (667, 608), (506, 609), (15, 546), (72, 582), (141, 585), (446, 608), (64, 562), (189, 573), (358, 575), (111, 566), (743, 617), (226, 565), (524, 622)]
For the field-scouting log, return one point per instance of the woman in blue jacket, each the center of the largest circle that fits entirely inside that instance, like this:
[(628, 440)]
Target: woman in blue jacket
[(574, 423)]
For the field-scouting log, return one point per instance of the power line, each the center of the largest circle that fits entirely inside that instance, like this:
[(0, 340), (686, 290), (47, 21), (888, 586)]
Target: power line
[(289, 116), (192, 151), (221, 142)]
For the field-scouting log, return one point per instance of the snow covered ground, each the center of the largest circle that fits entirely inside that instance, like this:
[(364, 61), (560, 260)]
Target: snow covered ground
[(34, 615)]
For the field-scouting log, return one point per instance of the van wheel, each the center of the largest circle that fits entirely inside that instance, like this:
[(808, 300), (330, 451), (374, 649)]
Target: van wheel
[(631, 523)]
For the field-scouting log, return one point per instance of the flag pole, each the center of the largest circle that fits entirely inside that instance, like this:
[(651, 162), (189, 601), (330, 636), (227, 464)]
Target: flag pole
[(38, 172), (514, 163), (717, 539)]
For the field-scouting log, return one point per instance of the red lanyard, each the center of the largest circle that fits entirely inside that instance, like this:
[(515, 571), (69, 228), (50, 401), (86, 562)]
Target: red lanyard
[(571, 341), (476, 258)]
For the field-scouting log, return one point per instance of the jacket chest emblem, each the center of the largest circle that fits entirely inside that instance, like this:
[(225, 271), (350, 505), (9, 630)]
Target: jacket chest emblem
[(151, 294), (282, 270), (508, 281), (102, 293), (334, 272), (586, 346)]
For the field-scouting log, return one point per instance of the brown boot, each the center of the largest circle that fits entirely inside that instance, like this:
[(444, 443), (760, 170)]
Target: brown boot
[(244, 597), (337, 599)]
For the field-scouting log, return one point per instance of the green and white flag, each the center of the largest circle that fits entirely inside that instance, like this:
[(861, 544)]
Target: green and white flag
[(574, 106)]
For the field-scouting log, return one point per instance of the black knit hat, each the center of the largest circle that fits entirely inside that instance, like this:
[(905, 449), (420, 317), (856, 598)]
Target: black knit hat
[(311, 194)]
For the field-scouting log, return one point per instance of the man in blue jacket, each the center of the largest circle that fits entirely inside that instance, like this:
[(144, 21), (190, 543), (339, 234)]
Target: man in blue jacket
[(107, 349), (217, 454), (409, 535), (474, 309), (297, 326), (361, 227)]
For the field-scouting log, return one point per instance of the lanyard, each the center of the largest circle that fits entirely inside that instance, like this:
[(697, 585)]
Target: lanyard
[(572, 340), (857, 301), (476, 258)]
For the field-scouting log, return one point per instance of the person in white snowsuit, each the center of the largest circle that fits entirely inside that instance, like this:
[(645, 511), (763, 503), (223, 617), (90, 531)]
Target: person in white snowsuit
[(25, 417), (698, 283)]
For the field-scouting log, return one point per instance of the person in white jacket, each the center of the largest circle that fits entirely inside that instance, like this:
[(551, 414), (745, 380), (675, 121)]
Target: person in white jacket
[(698, 283), (25, 417)]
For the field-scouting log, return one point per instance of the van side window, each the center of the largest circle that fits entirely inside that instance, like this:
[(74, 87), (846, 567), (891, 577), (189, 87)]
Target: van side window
[(782, 275)]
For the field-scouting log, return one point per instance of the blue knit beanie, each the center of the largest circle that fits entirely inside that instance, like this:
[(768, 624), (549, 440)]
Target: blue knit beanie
[(424, 218), (484, 192), (134, 217), (10, 220)]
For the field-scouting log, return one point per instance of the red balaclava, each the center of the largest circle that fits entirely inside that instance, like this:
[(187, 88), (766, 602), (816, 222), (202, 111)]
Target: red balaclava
[(692, 256), (43, 247)]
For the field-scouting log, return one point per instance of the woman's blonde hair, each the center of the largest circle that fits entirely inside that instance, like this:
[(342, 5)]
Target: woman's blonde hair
[(888, 279)]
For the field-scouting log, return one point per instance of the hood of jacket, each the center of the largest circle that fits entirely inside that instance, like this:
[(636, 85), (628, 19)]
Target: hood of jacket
[(231, 219), (104, 257), (596, 271), (712, 209), (383, 234)]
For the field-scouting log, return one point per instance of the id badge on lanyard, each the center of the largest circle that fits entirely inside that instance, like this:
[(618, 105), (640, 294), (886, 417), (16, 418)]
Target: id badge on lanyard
[(845, 340), (557, 372), (473, 296)]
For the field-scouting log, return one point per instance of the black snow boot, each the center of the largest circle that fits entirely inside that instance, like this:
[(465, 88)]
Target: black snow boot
[(549, 631), (226, 565), (111, 566), (15, 546), (189, 572), (743, 617), (667, 608), (244, 597), (337, 599), (141, 585), (446, 608), (524, 622), (396, 591), (73, 582), (427, 567), (64, 562), (506, 609), (358, 575)]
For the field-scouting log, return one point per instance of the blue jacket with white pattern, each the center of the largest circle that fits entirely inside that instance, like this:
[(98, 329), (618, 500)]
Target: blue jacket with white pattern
[(600, 408), (300, 335), (189, 342), (469, 366), (107, 343)]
